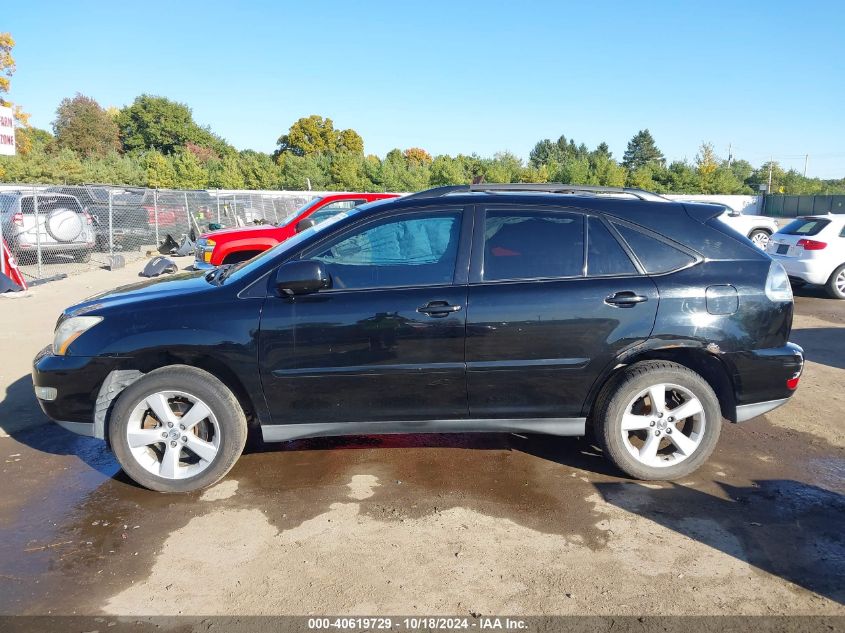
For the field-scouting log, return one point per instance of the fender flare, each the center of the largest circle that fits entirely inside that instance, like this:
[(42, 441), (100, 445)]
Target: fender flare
[(260, 245)]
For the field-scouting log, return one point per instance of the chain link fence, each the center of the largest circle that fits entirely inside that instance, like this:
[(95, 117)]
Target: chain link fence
[(59, 230)]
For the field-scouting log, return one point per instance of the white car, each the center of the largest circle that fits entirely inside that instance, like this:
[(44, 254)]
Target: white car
[(757, 228), (812, 251)]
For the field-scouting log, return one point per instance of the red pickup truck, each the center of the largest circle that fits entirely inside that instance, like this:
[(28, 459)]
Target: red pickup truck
[(230, 246)]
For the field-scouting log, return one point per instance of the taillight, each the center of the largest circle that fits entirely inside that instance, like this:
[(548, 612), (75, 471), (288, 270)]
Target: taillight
[(812, 245), (88, 218), (17, 219), (792, 383)]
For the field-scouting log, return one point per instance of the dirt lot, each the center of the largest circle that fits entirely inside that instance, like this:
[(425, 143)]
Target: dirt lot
[(443, 524)]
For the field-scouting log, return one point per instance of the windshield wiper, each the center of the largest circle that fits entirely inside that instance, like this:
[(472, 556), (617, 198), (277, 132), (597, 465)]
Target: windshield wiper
[(218, 274), (225, 269)]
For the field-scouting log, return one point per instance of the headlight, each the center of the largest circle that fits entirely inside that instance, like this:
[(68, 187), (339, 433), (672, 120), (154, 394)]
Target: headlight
[(70, 330)]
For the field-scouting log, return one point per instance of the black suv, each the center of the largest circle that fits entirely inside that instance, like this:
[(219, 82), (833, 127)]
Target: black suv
[(505, 308)]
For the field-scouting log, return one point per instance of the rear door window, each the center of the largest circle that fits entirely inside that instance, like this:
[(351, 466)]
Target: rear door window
[(605, 256), (655, 255), (532, 245), (805, 226)]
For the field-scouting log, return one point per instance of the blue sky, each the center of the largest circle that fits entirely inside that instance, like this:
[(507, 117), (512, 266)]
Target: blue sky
[(766, 77)]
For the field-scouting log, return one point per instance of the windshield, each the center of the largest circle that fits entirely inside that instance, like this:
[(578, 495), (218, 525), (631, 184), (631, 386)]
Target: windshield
[(238, 271), (292, 216)]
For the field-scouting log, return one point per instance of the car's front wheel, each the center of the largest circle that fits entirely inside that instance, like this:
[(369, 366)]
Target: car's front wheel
[(177, 429), (657, 420), (836, 284)]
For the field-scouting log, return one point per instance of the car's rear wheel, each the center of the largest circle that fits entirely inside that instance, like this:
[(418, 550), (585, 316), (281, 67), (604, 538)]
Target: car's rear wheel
[(760, 238), (177, 429), (836, 284), (658, 420)]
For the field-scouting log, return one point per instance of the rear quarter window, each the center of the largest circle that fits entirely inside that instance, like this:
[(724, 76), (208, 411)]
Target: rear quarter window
[(655, 255), (805, 226)]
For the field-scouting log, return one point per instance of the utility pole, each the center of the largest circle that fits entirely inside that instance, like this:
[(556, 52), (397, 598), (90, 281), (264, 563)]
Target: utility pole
[(806, 160), (771, 160), (730, 153)]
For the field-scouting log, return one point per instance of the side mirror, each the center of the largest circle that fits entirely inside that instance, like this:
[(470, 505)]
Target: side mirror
[(304, 225), (302, 277), (734, 213)]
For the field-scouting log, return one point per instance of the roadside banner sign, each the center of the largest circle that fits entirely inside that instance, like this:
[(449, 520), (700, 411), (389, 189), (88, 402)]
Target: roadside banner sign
[(7, 131), (9, 267)]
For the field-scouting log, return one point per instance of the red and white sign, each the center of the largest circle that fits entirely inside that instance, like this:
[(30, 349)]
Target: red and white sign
[(7, 131), (8, 265)]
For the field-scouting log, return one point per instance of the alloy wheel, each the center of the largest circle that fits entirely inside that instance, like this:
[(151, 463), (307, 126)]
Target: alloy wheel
[(173, 434), (760, 240), (663, 425), (839, 282)]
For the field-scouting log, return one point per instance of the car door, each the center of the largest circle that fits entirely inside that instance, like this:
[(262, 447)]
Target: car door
[(553, 298), (386, 341)]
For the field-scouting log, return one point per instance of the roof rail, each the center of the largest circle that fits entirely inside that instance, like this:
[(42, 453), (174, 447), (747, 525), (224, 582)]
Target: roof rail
[(547, 187)]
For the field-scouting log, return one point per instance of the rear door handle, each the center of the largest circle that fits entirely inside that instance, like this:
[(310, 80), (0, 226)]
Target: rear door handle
[(625, 299), (438, 309)]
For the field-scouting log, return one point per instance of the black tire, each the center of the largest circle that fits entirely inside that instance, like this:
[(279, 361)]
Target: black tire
[(220, 400), (833, 284), (758, 235), (618, 393)]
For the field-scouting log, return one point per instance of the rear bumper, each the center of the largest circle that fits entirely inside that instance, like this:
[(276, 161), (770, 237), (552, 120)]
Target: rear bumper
[(813, 272), (52, 247), (746, 412), (765, 379)]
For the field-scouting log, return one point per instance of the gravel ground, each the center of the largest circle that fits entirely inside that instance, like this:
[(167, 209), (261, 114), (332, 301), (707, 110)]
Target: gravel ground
[(438, 524)]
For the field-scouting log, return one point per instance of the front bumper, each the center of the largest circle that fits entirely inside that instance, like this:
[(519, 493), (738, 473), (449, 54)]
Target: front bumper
[(811, 271), (77, 381)]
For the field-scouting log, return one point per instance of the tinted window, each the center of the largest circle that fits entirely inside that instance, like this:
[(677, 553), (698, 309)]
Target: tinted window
[(409, 250), (842, 233), (655, 256), (47, 203), (333, 209), (533, 245), (804, 227), (605, 256)]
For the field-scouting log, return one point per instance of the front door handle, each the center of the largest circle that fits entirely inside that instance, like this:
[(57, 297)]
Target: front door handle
[(438, 309), (625, 299)]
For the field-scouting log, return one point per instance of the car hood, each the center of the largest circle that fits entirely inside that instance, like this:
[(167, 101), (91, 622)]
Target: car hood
[(238, 231), (163, 287)]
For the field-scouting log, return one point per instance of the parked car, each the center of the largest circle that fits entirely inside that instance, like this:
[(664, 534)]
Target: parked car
[(812, 251), (476, 308), (129, 224), (62, 228), (757, 228), (230, 246)]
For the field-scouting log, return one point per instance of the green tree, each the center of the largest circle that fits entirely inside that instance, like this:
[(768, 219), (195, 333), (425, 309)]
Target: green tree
[(158, 170), (642, 151), (7, 69), (190, 174), (259, 170), (167, 126), (83, 126), (446, 170), (316, 135)]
